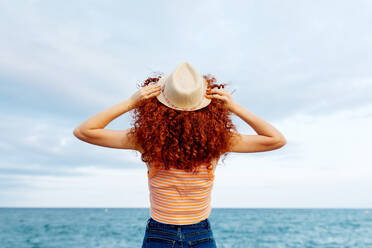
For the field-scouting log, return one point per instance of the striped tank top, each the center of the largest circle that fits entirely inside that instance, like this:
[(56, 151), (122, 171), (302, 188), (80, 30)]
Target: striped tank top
[(179, 197)]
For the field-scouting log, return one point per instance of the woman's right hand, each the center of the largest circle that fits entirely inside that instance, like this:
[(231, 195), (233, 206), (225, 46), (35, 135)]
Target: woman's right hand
[(223, 95)]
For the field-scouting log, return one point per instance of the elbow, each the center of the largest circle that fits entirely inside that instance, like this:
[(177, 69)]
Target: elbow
[(82, 134), (77, 133), (281, 142)]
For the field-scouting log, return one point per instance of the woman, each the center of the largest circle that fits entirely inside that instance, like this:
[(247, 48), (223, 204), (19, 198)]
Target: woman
[(182, 127)]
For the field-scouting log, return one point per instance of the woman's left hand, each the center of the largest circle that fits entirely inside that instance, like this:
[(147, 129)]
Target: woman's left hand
[(144, 93)]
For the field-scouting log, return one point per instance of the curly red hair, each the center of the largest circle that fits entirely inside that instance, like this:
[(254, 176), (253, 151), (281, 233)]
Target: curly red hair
[(182, 139)]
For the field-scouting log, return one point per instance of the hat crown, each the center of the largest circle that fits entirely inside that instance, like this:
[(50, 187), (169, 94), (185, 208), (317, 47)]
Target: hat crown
[(183, 89), (184, 86)]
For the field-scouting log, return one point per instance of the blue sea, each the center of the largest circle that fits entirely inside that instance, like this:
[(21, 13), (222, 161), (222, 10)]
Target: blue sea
[(232, 227)]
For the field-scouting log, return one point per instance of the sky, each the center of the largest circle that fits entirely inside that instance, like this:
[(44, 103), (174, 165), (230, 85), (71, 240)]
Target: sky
[(303, 66)]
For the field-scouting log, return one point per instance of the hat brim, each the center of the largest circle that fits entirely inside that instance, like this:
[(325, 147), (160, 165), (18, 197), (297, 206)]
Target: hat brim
[(161, 98)]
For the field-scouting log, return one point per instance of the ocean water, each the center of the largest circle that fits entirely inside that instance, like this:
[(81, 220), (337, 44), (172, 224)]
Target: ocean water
[(125, 227)]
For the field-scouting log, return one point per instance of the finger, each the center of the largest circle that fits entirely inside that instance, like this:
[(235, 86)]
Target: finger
[(153, 94), (216, 96), (157, 91), (150, 87), (154, 89), (154, 85), (218, 91)]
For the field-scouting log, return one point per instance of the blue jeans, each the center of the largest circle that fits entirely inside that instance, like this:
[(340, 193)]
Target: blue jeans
[(198, 235)]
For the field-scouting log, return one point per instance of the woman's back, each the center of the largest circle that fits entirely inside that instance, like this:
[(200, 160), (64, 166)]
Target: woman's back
[(180, 197)]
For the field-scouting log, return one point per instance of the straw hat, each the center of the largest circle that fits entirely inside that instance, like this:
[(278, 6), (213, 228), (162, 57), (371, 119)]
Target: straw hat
[(184, 89)]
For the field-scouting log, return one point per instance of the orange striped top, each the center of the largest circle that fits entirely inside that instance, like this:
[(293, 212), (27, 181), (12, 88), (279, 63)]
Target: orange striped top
[(179, 197)]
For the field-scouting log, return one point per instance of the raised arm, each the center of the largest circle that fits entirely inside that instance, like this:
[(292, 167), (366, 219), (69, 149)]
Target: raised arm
[(267, 138), (93, 129)]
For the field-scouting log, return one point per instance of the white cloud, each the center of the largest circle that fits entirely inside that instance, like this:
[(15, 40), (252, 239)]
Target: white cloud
[(305, 67), (46, 144)]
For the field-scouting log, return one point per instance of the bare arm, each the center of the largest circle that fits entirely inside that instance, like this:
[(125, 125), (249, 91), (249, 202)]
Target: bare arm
[(267, 138), (93, 129)]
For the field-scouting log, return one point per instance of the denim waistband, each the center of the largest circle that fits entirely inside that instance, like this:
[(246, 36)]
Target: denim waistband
[(153, 223)]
